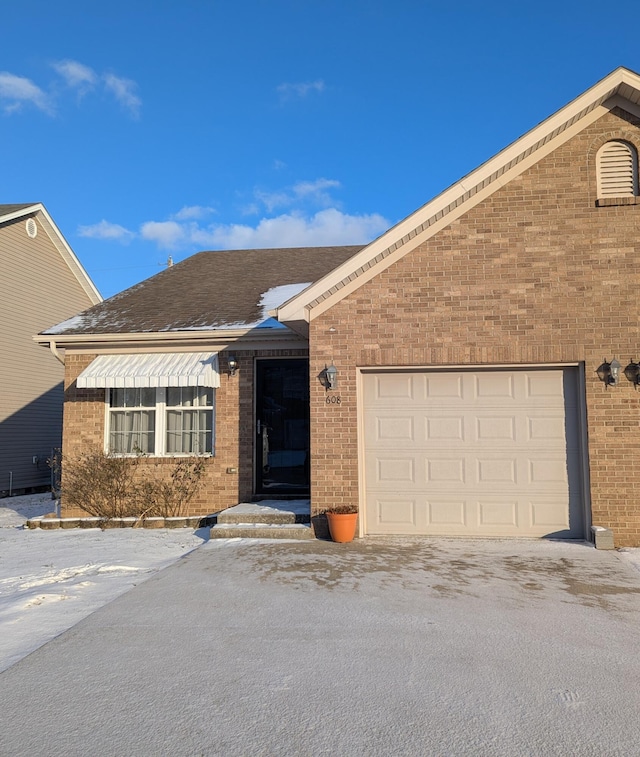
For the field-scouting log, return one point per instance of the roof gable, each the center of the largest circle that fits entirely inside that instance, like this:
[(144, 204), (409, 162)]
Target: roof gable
[(37, 210), (621, 88)]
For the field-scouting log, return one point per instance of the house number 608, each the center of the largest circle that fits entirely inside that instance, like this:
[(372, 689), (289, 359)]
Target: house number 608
[(334, 399)]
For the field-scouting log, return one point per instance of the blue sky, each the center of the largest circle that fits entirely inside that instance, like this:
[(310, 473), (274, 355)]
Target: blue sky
[(161, 128)]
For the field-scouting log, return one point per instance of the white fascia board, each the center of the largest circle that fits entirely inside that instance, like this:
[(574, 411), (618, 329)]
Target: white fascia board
[(214, 336), (438, 213), (28, 211), (68, 254)]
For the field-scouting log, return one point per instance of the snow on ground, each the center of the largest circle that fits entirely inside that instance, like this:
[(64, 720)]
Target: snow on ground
[(50, 580)]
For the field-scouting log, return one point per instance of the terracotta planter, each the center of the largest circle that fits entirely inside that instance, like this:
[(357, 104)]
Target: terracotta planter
[(342, 526)]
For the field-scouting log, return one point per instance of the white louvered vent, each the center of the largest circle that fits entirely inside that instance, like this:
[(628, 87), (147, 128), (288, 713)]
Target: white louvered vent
[(617, 170), (32, 228)]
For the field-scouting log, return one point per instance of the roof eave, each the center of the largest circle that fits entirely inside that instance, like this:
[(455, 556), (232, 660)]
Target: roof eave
[(26, 211), (185, 337)]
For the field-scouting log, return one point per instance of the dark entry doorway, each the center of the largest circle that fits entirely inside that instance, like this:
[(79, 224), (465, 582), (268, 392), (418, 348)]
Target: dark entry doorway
[(282, 426)]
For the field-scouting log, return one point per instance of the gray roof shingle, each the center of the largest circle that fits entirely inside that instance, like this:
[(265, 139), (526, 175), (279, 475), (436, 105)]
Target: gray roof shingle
[(210, 290), (6, 210)]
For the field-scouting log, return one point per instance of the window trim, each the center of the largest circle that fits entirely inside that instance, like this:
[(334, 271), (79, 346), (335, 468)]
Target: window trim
[(160, 430)]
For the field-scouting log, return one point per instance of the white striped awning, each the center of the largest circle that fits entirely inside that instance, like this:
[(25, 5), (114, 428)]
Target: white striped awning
[(151, 370)]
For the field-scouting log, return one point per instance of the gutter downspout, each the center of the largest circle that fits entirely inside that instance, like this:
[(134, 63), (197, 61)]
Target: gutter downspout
[(55, 352)]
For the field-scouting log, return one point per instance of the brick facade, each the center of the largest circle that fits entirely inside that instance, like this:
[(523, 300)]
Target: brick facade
[(84, 428), (536, 273)]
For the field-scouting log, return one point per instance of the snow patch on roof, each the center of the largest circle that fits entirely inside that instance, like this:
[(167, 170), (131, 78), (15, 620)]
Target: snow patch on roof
[(269, 300), (277, 296)]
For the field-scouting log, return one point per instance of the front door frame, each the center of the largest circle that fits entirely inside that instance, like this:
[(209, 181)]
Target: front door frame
[(298, 487)]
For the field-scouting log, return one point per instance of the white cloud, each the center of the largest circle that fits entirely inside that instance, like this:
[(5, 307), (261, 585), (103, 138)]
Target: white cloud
[(326, 227), (106, 230), (273, 200), (189, 212), (76, 75), (124, 92), (314, 192), (287, 90), (304, 188), (18, 90), (168, 235)]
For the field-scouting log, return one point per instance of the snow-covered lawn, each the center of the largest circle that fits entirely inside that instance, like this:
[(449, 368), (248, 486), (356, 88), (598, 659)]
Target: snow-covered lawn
[(50, 580)]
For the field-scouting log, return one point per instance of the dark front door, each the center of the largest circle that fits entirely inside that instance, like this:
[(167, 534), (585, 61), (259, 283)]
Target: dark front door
[(282, 426)]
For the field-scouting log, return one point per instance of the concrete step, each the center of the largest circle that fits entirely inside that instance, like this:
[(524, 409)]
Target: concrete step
[(261, 531), (268, 519), (282, 517)]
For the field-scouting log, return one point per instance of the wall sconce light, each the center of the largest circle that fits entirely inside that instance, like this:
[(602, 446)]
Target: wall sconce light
[(331, 377), (632, 372), (233, 365), (609, 373)]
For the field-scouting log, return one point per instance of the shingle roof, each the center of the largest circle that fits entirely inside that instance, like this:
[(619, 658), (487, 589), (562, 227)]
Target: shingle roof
[(6, 210), (210, 290)]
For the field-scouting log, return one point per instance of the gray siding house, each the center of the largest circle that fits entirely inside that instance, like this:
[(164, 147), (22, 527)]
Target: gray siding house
[(42, 282)]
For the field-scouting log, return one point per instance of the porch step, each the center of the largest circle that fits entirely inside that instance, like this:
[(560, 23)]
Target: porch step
[(261, 531), (269, 519)]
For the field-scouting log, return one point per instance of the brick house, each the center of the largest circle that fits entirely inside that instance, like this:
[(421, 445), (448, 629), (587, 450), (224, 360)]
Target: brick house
[(475, 346)]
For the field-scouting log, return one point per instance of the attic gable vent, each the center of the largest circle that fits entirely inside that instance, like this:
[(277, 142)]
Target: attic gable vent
[(617, 170), (32, 228)]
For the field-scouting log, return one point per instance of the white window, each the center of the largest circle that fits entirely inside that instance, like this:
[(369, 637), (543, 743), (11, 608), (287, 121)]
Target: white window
[(189, 420), (617, 170), (173, 421)]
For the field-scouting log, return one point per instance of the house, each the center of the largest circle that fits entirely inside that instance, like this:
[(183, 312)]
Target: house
[(42, 282), (474, 371)]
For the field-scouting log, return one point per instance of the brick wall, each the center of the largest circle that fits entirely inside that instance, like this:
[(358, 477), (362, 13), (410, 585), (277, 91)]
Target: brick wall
[(534, 274), (84, 419)]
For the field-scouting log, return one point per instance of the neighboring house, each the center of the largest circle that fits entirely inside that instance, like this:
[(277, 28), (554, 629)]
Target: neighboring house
[(42, 281), (470, 343)]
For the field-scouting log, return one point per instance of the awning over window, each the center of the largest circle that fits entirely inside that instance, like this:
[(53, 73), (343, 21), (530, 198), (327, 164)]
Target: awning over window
[(151, 370)]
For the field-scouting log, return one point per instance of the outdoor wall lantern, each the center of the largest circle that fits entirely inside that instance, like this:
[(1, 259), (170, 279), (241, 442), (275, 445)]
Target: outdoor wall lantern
[(632, 372), (609, 373), (331, 377), (233, 365)]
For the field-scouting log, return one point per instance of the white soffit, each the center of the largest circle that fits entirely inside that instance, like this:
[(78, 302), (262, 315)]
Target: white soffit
[(616, 88), (151, 370)]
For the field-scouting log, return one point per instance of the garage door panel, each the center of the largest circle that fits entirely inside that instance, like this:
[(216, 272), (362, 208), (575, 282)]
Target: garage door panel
[(445, 471), (448, 427), (547, 428), (548, 471), (492, 427), (473, 453), (395, 515), (544, 514), (494, 514), (448, 513), (497, 470), (393, 470), (395, 428), (440, 386), (500, 386)]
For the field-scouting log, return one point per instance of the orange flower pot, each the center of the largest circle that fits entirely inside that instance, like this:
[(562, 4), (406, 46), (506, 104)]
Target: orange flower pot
[(342, 526)]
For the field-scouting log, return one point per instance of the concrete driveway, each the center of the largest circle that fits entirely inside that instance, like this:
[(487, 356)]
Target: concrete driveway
[(380, 647)]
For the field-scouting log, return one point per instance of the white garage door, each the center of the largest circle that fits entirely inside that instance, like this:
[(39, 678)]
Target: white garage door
[(477, 453)]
